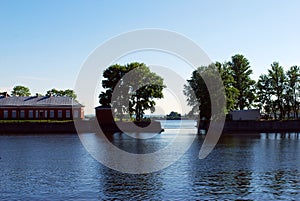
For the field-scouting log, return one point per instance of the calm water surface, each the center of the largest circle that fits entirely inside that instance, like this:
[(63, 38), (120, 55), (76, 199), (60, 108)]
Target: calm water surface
[(58, 167)]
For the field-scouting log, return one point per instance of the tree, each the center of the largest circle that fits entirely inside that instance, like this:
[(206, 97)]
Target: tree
[(240, 71), (293, 84), (228, 82), (70, 93), (142, 96), (264, 94), (66, 93), (174, 116), (113, 74), (277, 81), (134, 88), (278, 92), (20, 91), (197, 92)]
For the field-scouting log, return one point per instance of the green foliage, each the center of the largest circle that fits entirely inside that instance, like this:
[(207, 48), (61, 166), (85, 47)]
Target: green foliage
[(264, 94), (278, 91), (277, 81), (67, 93), (20, 91), (240, 70), (174, 116), (231, 92), (197, 92), (293, 84), (135, 87), (239, 87)]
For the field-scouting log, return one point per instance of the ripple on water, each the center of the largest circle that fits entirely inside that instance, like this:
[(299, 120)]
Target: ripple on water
[(57, 167)]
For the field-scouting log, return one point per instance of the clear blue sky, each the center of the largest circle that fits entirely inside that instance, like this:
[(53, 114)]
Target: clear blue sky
[(44, 43)]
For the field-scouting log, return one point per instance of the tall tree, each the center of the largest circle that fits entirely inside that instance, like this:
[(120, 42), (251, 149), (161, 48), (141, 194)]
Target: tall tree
[(113, 74), (142, 96), (293, 84), (197, 92), (132, 96), (228, 82), (264, 94), (277, 81), (20, 91), (241, 70)]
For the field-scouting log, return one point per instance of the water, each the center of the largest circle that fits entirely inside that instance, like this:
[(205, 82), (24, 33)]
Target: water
[(58, 167)]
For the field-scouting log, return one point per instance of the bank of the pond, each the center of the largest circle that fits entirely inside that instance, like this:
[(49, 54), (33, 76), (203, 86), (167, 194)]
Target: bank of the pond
[(70, 127), (237, 127), (267, 126), (37, 128)]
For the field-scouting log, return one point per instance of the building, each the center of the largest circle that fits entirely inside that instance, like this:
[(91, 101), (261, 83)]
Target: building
[(104, 115), (237, 115), (39, 107)]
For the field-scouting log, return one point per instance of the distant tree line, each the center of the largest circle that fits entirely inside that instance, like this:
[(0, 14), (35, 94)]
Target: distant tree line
[(276, 93), (173, 116), (25, 91)]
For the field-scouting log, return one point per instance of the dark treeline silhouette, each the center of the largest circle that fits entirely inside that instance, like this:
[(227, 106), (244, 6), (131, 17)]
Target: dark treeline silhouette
[(21, 90), (276, 93)]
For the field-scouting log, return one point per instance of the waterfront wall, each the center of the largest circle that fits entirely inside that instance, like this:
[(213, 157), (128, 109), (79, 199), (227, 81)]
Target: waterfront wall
[(69, 127), (270, 126), (154, 127), (37, 128), (262, 126)]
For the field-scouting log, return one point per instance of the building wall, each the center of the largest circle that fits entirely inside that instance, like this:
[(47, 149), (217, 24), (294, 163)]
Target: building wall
[(104, 115), (28, 113), (253, 114)]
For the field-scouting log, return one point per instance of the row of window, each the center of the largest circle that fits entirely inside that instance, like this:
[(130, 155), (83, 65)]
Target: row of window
[(40, 114)]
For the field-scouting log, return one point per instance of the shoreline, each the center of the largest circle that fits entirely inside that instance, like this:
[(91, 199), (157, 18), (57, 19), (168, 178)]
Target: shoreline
[(243, 127), (237, 128), (37, 128), (71, 127)]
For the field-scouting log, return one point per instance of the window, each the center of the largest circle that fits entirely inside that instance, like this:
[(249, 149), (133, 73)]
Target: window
[(22, 114), (30, 114), (14, 114), (51, 113), (59, 114), (46, 113), (37, 114), (76, 114), (68, 114), (5, 114), (41, 114)]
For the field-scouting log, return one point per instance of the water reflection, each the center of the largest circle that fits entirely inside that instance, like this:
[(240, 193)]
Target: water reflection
[(57, 167), (280, 135), (128, 186)]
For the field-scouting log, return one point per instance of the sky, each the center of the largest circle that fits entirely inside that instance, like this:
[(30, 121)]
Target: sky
[(43, 44)]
